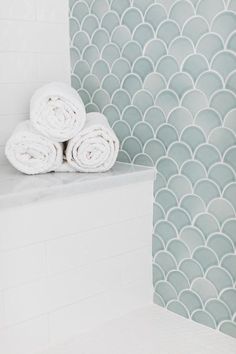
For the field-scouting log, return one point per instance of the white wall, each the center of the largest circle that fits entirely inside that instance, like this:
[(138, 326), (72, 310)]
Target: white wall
[(34, 49)]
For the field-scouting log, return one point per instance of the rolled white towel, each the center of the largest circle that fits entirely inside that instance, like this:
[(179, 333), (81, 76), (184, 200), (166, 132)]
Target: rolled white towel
[(57, 111), (31, 153), (95, 148)]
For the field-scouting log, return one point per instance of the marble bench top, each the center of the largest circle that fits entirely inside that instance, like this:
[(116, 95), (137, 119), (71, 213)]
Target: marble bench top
[(18, 189)]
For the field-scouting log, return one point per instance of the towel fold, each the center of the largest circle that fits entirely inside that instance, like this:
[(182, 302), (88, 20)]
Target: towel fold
[(57, 111), (31, 153), (95, 148)]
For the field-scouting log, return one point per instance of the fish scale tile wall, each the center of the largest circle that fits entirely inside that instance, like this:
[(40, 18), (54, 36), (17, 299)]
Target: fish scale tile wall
[(164, 73)]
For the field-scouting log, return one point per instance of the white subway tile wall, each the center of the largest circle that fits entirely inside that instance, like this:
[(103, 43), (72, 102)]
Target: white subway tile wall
[(34, 50)]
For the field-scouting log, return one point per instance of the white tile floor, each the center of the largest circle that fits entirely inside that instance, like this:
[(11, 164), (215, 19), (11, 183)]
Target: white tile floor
[(151, 330)]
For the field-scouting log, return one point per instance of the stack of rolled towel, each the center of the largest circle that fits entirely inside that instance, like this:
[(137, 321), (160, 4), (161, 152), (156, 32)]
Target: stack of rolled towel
[(60, 136)]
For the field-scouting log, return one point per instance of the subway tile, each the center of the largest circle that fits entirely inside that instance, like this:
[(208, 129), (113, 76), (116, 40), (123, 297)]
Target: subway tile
[(52, 10), (2, 311), (53, 67), (17, 9), (22, 265), (18, 68), (8, 123)]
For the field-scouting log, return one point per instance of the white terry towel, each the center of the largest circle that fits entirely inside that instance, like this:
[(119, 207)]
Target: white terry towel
[(57, 111), (31, 153), (95, 148)]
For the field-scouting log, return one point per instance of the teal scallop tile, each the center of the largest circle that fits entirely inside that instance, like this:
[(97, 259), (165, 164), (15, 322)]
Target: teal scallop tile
[(192, 237), (210, 44), (132, 146), (177, 248), (120, 36), (191, 300), (224, 63), (110, 53), (132, 115), (159, 182), (179, 152), (142, 67), (221, 174), (143, 100), (193, 205), (154, 83), (155, 149), (220, 244), (121, 99), (181, 11), (75, 81), (205, 289), (131, 18), (167, 66), (229, 328), (220, 278), (155, 14), (157, 271), (180, 118), (209, 82), (168, 30), (180, 48), (142, 5), (204, 318), (120, 6), (232, 5), (100, 38), (110, 21), (91, 84), (209, 9), (165, 230), (230, 82), (155, 50), (193, 137), (178, 308), (224, 24), (205, 257), (195, 65), (101, 99), (158, 300), (194, 171), (155, 117), (180, 83), (229, 263), (122, 130), (90, 24), (207, 154), (207, 223), (195, 28), (166, 134), (191, 268), (166, 261), (230, 194), (100, 68), (179, 218), (195, 101), (143, 33), (222, 139), (207, 120), (81, 69), (91, 107), (81, 40), (166, 291), (123, 157), (131, 51), (231, 43), (180, 185), (218, 310), (110, 84), (178, 280), (74, 27), (80, 10), (167, 100), (206, 190), (229, 228), (74, 57), (112, 114), (143, 132), (230, 158), (91, 54), (228, 296), (145, 160), (84, 95), (120, 68), (166, 199), (167, 167), (221, 209), (132, 84), (99, 8)]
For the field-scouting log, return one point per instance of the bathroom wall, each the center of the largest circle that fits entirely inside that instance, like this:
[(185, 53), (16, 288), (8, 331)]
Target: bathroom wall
[(34, 49), (164, 73)]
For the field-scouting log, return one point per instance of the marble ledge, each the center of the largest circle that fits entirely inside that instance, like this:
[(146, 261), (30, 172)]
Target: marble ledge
[(17, 189)]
